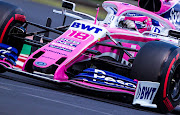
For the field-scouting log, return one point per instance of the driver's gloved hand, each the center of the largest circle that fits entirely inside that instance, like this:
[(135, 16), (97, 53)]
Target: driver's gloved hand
[(130, 24)]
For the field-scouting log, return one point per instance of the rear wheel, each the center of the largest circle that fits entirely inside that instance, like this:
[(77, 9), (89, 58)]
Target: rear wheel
[(10, 16), (160, 62)]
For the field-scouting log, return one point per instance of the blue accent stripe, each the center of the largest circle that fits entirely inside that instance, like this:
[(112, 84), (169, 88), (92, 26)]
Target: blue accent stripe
[(116, 76), (4, 46), (107, 79)]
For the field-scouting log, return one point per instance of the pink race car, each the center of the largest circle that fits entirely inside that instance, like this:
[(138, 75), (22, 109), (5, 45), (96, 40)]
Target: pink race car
[(133, 51)]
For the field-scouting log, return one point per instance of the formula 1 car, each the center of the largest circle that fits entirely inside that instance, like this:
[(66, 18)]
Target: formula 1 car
[(132, 52)]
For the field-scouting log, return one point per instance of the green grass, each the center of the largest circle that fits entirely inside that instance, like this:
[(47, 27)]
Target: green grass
[(98, 1), (53, 3), (80, 8)]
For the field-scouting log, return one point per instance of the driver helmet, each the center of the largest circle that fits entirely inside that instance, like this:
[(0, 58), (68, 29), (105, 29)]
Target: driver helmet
[(142, 23)]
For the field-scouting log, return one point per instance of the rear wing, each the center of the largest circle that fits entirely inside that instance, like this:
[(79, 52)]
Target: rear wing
[(70, 6)]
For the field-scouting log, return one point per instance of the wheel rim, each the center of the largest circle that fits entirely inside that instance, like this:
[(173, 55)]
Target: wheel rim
[(175, 87)]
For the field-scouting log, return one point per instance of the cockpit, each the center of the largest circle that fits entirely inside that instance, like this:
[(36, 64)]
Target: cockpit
[(126, 16)]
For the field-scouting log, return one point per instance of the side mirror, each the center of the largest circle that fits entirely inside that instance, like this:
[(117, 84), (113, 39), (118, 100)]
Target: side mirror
[(68, 5), (174, 33)]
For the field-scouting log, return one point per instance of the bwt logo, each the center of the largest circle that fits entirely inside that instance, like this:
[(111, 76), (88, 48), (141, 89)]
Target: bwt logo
[(86, 27), (145, 92)]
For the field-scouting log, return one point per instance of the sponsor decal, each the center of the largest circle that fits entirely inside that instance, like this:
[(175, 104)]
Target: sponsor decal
[(38, 63), (152, 35), (79, 35), (145, 92), (48, 57), (86, 27), (125, 4), (55, 52), (8, 53), (155, 29), (60, 48), (66, 43), (21, 60), (112, 81), (4, 46), (70, 41), (174, 16), (63, 46), (3, 51)]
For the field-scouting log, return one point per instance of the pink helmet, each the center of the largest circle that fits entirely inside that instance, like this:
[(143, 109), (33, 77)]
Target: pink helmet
[(143, 23)]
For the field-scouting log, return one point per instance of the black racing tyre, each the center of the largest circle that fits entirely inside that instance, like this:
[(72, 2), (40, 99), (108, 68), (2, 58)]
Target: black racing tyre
[(160, 62), (151, 5), (10, 16)]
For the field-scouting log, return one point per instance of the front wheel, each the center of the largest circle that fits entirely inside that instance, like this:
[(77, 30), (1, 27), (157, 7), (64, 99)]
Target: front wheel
[(160, 62), (10, 16)]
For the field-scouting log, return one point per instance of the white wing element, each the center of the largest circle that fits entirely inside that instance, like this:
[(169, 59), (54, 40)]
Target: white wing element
[(67, 14), (145, 93)]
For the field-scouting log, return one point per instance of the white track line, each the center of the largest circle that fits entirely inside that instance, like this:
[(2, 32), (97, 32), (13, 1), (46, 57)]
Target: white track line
[(2, 87), (60, 93), (80, 107)]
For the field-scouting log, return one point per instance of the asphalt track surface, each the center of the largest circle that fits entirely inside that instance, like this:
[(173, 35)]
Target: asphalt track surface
[(24, 96)]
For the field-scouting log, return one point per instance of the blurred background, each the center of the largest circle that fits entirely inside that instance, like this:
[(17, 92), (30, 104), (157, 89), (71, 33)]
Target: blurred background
[(86, 6), (38, 10)]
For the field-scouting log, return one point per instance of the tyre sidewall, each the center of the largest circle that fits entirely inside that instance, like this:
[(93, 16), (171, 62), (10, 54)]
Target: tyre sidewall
[(11, 16), (15, 17), (164, 101)]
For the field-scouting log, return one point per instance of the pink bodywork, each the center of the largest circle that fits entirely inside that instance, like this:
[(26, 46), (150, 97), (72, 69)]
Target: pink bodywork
[(49, 57), (5, 63), (102, 87), (123, 7)]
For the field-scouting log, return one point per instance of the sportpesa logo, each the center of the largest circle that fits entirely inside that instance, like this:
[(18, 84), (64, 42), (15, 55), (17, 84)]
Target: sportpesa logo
[(112, 81)]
